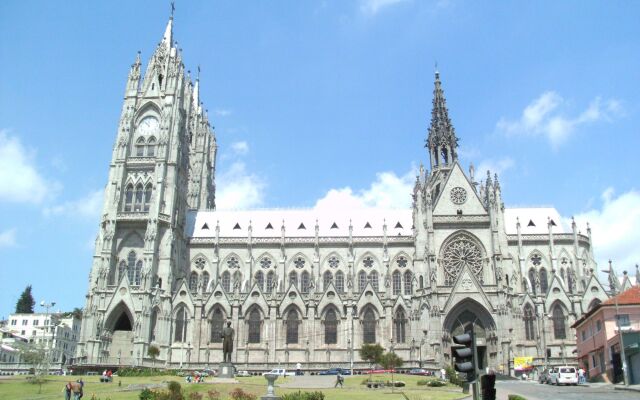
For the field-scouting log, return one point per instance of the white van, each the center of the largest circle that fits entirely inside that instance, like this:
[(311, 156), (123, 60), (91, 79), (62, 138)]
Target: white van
[(279, 372), (565, 375)]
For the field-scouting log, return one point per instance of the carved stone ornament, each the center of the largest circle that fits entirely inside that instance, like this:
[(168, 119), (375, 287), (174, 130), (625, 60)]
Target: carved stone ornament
[(458, 195), (461, 252)]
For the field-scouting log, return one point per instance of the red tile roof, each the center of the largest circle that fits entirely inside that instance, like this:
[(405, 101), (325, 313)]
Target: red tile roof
[(629, 296)]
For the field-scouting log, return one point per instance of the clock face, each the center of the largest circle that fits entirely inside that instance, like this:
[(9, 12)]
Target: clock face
[(148, 126)]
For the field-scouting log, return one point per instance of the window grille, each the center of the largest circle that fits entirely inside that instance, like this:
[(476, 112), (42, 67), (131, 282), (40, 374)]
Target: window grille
[(397, 284), (529, 318), (340, 282), (400, 325), (369, 327), (305, 282), (559, 330), (362, 280), (226, 281), (330, 327), (408, 284), (217, 323), (292, 327), (254, 326)]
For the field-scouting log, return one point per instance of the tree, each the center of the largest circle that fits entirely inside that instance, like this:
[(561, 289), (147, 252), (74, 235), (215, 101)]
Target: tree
[(390, 361), (153, 352), (371, 353), (77, 313), (36, 356), (25, 302)]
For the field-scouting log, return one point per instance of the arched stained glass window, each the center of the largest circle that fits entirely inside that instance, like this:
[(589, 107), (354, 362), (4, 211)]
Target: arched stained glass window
[(362, 280), (292, 326), (254, 326), (397, 284), (226, 281), (399, 325), (408, 283), (340, 281), (151, 147), (373, 277), (327, 278), (330, 327), (529, 318), (153, 324), (139, 197), (544, 283), (128, 198), (270, 281), (217, 323), (237, 280), (559, 329), (205, 281), (193, 281), (137, 276), (305, 282), (293, 278), (260, 280), (182, 322), (532, 280), (131, 267), (369, 326), (140, 147), (147, 196)]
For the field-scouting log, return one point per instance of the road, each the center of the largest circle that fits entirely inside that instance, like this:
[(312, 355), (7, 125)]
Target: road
[(536, 391)]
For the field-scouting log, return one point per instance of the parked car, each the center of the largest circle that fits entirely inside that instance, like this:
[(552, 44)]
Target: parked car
[(280, 372), (243, 373), (544, 375), (552, 373), (334, 371), (419, 371), (565, 375)]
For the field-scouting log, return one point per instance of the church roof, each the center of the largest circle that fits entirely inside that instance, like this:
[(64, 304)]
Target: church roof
[(301, 223)]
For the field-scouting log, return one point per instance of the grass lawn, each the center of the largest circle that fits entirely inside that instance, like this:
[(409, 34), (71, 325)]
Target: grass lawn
[(18, 388)]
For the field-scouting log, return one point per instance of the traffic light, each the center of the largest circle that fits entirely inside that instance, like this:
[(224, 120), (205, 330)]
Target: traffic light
[(463, 355)]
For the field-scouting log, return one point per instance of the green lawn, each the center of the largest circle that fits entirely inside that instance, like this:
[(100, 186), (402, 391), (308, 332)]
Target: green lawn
[(19, 388)]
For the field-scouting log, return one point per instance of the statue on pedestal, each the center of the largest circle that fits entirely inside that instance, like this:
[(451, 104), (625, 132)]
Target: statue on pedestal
[(227, 342)]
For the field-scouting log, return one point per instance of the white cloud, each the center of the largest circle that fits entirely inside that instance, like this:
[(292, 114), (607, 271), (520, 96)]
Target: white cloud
[(89, 206), (20, 180), (222, 112), (372, 7), (495, 166), (237, 189), (614, 229), (545, 116), (240, 148), (387, 191), (8, 238)]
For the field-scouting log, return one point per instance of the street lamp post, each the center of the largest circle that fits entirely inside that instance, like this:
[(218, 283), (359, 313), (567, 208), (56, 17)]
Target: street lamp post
[(622, 352), (47, 324)]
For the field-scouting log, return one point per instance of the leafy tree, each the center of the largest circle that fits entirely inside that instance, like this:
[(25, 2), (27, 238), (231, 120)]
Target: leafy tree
[(25, 302), (153, 352), (371, 353), (390, 360), (77, 313), (36, 356)]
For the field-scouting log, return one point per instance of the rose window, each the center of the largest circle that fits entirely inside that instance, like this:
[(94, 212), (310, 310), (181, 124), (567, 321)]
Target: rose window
[(265, 262), (334, 262), (402, 261), (299, 262), (232, 262), (200, 263), (458, 195), (536, 259), (460, 253), (368, 262)]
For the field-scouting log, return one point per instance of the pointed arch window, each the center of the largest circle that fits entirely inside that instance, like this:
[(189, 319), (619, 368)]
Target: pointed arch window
[(128, 198), (140, 147), (137, 206), (182, 322), (153, 324), (151, 147), (397, 284), (205, 281), (260, 280), (559, 329), (193, 282), (544, 282), (137, 276), (408, 283), (237, 280), (399, 326), (305, 282), (327, 278), (330, 327), (270, 281), (226, 281), (362, 280), (529, 318), (217, 323), (369, 326), (532, 280), (147, 196), (293, 278), (292, 326), (340, 281), (131, 266), (254, 326), (373, 278)]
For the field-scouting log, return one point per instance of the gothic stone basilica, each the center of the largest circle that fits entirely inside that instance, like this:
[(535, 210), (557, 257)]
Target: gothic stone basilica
[(311, 287)]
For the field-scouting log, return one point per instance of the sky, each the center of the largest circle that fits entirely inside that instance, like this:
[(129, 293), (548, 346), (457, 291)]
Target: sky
[(320, 103)]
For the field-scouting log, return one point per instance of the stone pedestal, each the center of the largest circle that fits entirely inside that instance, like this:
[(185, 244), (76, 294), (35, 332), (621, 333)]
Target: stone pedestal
[(271, 395), (226, 370)]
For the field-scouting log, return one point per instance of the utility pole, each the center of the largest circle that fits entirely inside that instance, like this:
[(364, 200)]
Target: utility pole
[(622, 352), (47, 328)]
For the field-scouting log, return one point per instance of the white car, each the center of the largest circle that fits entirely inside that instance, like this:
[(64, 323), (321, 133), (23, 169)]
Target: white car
[(279, 372), (243, 373), (565, 375)]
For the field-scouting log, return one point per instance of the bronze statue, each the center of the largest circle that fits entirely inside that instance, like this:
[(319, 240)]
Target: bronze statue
[(227, 342)]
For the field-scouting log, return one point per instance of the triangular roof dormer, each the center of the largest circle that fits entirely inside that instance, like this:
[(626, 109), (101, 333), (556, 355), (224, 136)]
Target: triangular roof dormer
[(370, 296), (292, 297), (556, 292), (218, 297), (594, 290), (467, 286), (458, 196)]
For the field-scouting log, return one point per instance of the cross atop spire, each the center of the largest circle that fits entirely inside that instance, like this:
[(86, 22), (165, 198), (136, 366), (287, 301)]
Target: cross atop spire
[(442, 141), (173, 8)]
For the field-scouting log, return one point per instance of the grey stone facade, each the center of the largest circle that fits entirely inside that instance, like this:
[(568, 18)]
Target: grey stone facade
[(309, 286)]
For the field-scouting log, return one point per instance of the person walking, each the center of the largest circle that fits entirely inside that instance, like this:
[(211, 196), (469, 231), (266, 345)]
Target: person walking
[(581, 378), (339, 380)]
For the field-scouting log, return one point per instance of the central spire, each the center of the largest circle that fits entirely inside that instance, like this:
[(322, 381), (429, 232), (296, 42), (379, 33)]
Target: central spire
[(442, 141)]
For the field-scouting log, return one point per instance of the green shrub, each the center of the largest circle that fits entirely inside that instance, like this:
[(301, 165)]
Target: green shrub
[(239, 394), (144, 372), (516, 397), (303, 396), (435, 383), (453, 376), (395, 383), (147, 394)]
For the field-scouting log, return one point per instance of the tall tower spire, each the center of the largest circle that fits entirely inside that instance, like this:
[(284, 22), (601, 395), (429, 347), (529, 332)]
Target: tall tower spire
[(442, 141)]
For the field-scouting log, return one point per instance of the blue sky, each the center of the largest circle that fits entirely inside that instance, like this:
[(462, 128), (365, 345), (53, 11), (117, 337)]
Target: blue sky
[(320, 101)]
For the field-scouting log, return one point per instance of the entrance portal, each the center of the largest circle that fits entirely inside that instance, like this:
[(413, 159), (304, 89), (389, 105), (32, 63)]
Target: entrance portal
[(470, 315)]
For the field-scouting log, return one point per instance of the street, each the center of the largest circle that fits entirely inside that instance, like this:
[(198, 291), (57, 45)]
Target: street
[(536, 391)]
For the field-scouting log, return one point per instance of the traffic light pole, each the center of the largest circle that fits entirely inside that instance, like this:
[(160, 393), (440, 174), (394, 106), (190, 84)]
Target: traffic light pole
[(476, 380)]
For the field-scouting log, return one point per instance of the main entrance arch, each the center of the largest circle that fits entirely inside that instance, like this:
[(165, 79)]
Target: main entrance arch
[(467, 315), (120, 324)]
